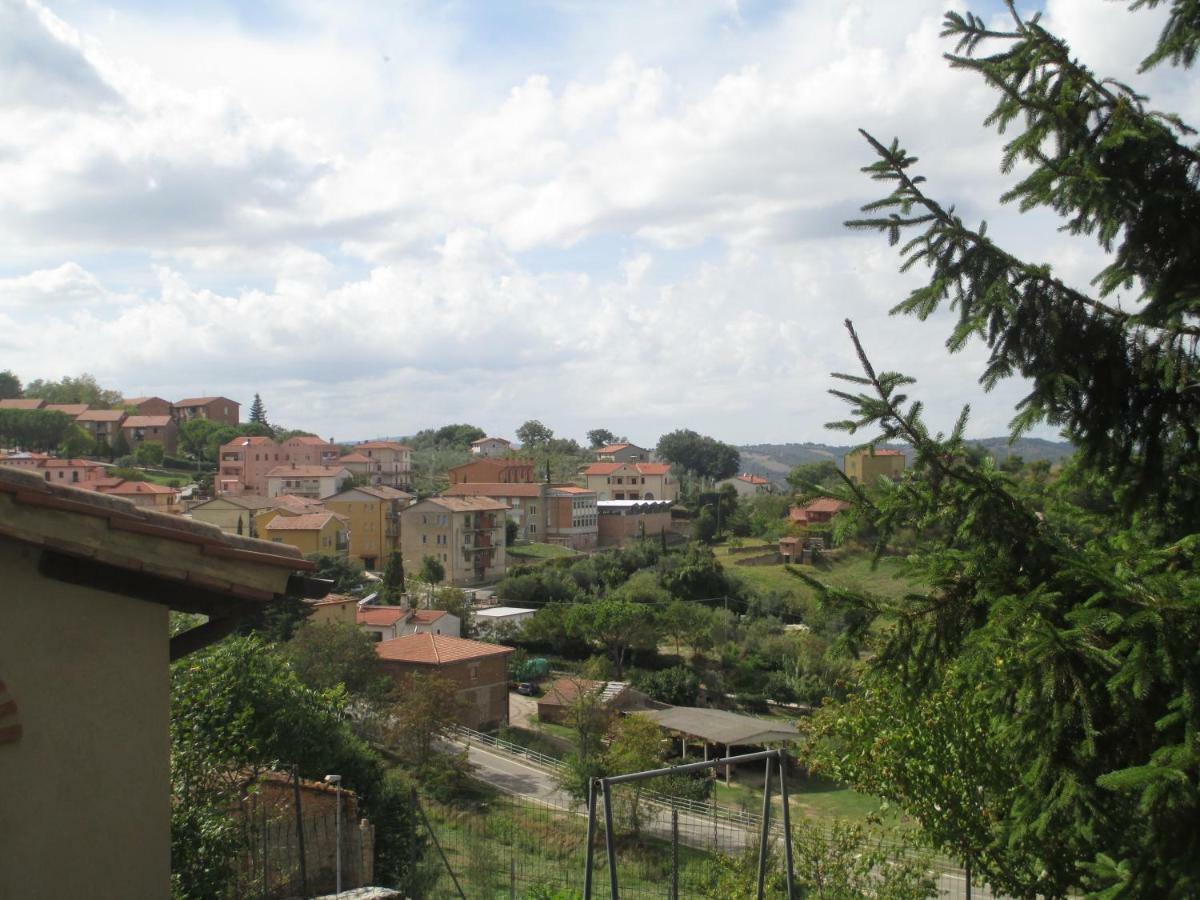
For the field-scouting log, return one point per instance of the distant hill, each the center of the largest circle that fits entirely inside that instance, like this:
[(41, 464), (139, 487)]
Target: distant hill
[(774, 461)]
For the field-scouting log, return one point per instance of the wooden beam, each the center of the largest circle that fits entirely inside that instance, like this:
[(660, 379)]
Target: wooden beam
[(138, 585), (201, 636)]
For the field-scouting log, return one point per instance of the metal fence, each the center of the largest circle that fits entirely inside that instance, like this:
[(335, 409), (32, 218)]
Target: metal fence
[(523, 849)]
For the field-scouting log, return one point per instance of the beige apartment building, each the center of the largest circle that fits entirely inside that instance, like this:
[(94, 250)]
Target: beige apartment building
[(390, 462), (314, 482), (550, 513), (245, 461), (623, 453), (465, 534), (631, 481), (866, 466), (372, 513)]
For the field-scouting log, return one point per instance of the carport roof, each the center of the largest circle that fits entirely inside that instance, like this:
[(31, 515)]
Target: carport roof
[(720, 727)]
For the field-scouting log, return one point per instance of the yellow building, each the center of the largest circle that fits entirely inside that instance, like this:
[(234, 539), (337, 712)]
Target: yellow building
[(865, 466), (321, 532), (465, 534), (373, 515), (338, 609)]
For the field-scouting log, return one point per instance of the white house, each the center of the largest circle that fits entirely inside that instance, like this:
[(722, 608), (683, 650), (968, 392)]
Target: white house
[(387, 622), (490, 446), (491, 618)]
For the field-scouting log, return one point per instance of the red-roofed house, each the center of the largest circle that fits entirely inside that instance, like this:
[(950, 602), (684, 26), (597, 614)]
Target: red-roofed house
[(148, 406), (554, 514), (22, 403), (102, 424), (622, 452), (157, 497), (747, 485), (817, 512), (631, 481), (318, 532), (81, 472), (479, 670), (869, 465), (490, 446), (221, 410), (69, 409), (507, 471), (140, 429), (387, 622)]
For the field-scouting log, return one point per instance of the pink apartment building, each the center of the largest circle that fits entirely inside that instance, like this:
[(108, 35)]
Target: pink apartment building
[(245, 461)]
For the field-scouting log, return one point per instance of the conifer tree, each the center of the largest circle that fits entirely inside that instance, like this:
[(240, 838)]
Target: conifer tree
[(1036, 709), (258, 412)]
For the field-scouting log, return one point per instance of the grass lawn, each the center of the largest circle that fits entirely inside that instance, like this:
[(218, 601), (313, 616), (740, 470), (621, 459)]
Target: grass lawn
[(853, 571), (540, 551), (811, 796)]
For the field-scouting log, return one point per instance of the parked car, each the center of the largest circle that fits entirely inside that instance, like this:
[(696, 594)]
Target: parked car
[(527, 689)]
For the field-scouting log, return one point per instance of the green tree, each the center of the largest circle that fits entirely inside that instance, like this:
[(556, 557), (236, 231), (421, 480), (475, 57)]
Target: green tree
[(84, 389), (194, 436), (699, 454), (1074, 650), (325, 655), (391, 590), (76, 442), (704, 526), (120, 445), (810, 478), (533, 435), (634, 745), (511, 530), (614, 625), (586, 716), (150, 453), (258, 412), (10, 385), (454, 601), (600, 437), (678, 686), (432, 571), (34, 429), (347, 576)]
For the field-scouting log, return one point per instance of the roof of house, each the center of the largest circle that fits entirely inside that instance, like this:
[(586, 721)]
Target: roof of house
[(69, 464), (719, 726), (382, 445), (101, 415), (464, 504), (291, 504), (201, 401), (380, 616), (129, 488), (310, 440), (303, 522), (147, 422), (567, 690), (642, 468), (138, 401), (493, 489), (484, 440), (378, 491), (248, 441), (879, 452), (616, 448), (71, 409), (294, 471), (355, 458), (207, 566), (826, 504), (22, 403), (335, 599), (753, 479), (570, 489), (436, 649), (426, 616), (503, 612)]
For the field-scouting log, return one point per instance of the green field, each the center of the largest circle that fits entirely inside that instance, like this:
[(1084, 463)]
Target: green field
[(852, 571)]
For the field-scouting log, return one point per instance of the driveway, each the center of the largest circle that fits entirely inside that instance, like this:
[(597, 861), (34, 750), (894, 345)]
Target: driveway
[(521, 710)]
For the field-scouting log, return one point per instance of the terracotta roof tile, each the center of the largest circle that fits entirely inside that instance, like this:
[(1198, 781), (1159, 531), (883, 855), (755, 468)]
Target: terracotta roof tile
[(355, 458), (146, 422), (133, 487), (493, 489), (383, 445), (564, 691), (304, 522), (607, 468), (22, 403), (436, 649), (101, 415), (380, 616), (464, 504)]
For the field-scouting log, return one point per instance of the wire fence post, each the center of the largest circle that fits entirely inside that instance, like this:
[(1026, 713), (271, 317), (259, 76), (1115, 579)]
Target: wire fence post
[(674, 853), (765, 833), (610, 840), (412, 846), (266, 863), (300, 831), (787, 825), (441, 852), (591, 840)]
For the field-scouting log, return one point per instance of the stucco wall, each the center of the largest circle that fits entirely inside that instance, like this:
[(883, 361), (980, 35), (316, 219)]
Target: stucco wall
[(84, 793)]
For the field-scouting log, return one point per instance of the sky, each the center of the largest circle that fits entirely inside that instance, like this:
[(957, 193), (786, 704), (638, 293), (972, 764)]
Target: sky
[(386, 217)]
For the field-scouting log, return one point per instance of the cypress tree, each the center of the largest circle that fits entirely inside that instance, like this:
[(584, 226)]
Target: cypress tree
[(1036, 707)]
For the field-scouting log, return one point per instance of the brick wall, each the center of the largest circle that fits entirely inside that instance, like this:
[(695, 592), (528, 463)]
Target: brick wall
[(482, 687)]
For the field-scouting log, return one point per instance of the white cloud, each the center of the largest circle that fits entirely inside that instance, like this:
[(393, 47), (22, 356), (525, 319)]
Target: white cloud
[(379, 222)]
